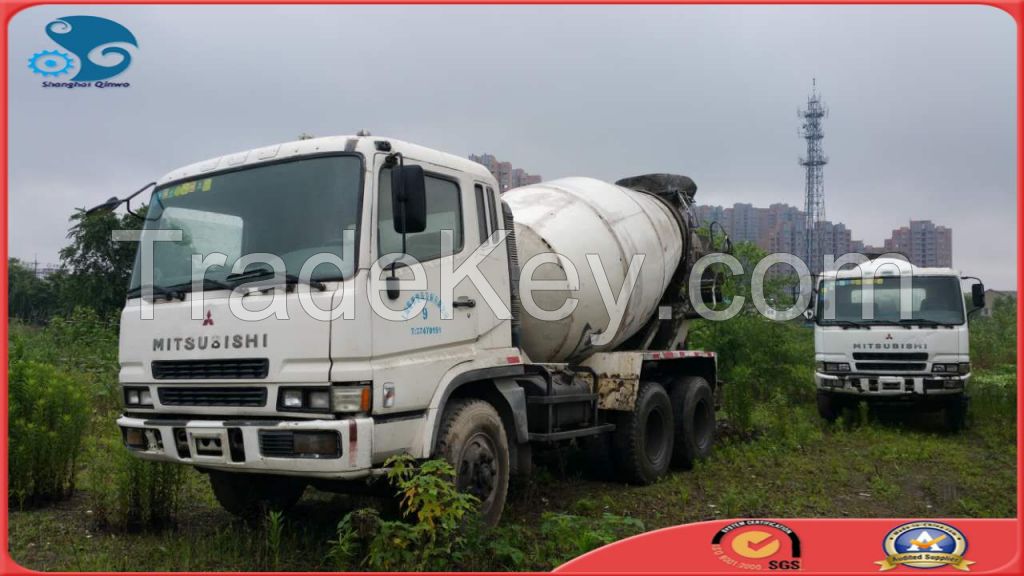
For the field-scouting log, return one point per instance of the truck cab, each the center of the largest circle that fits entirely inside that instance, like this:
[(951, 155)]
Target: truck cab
[(889, 332), (276, 335)]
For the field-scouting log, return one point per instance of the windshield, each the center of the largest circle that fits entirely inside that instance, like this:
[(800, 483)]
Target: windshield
[(933, 299), (293, 210)]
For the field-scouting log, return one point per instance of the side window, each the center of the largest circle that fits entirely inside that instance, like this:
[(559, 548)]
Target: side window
[(491, 208), (444, 212), (481, 212)]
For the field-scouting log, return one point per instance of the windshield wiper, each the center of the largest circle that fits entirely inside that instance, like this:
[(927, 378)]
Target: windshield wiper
[(169, 293), (923, 322), (844, 323), (207, 284), (289, 279)]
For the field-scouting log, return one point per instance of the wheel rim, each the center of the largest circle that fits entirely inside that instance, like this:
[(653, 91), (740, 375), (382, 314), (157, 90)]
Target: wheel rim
[(703, 424), (478, 468), (654, 433)]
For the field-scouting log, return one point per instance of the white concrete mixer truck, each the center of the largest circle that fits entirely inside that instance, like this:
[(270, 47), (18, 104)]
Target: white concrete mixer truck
[(300, 313)]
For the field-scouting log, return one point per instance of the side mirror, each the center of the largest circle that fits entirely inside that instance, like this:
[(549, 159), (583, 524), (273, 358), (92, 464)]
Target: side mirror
[(978, 295), (409, 199), (107, 206)]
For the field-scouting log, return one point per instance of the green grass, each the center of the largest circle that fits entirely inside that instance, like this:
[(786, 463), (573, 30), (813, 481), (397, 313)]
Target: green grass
[(793, 465)]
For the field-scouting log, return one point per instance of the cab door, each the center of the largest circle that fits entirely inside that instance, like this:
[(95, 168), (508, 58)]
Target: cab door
[(494, 324), (413, 350)]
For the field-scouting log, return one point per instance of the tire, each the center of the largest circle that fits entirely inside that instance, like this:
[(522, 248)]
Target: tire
[(250, 496), (473, 440), (643, 438), (830, 408), (693, 411), (956, 413)]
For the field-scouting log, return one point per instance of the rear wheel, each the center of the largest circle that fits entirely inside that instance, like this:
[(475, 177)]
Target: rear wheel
[(643, 438), (693, 410), (473, 441), (252, 495)]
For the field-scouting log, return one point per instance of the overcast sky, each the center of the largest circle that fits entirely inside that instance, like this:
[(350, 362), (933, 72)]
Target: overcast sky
[(922, 103)]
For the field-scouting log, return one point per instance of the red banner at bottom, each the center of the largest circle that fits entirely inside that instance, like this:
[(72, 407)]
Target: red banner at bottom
[(815, 545)]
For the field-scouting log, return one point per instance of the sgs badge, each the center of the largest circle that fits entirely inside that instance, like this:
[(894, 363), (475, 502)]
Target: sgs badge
[(757, 545)]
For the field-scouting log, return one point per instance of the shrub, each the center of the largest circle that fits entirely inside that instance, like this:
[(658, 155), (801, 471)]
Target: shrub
[(443, 532), (274, 527), (49, 412), (993, 408), (759, 360), (558, 538), (128, 493), (566, 536), (434, 538), (86, 344), (994, 339), (738, 398)]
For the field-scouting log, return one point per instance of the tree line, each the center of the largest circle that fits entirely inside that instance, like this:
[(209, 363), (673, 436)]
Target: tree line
[(94, 272)]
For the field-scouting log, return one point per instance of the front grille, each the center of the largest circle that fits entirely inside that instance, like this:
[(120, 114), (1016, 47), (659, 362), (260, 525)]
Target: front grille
[(226, 369), (890, 356), (892, 366), (209, 396)]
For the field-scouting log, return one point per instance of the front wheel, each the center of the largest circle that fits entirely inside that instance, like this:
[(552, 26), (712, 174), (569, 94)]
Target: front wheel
[(252, 495), (956, 413), (643, 438), (830, 407), (473, 441)]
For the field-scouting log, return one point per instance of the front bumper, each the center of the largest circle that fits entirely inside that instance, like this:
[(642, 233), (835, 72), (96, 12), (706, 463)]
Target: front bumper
[(196, 442), (878, 386)]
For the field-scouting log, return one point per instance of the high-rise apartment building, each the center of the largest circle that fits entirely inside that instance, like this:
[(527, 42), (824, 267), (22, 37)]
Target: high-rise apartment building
[(507, 176), (924, 243), (780, 228)]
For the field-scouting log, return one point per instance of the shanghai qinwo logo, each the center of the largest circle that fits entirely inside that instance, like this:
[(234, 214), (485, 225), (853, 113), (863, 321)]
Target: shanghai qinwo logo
[(94, 49)]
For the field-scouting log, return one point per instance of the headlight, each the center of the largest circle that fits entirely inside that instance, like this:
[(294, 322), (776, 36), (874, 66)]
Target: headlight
[(965, 367), (837, 367), (319, 400), (138, 396), (350, 398), (306, 399), (819, 366), (947, 368), (337, 398), (291, 398)]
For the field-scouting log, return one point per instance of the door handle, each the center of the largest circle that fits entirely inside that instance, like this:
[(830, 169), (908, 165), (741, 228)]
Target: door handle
[(464, 302)]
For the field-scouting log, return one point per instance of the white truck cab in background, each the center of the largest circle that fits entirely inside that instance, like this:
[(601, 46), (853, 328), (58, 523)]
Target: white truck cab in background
[(866, 347)]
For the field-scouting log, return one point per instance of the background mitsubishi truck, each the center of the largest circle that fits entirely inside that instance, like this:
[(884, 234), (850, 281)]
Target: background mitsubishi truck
[(267, 407), (920, 360)]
